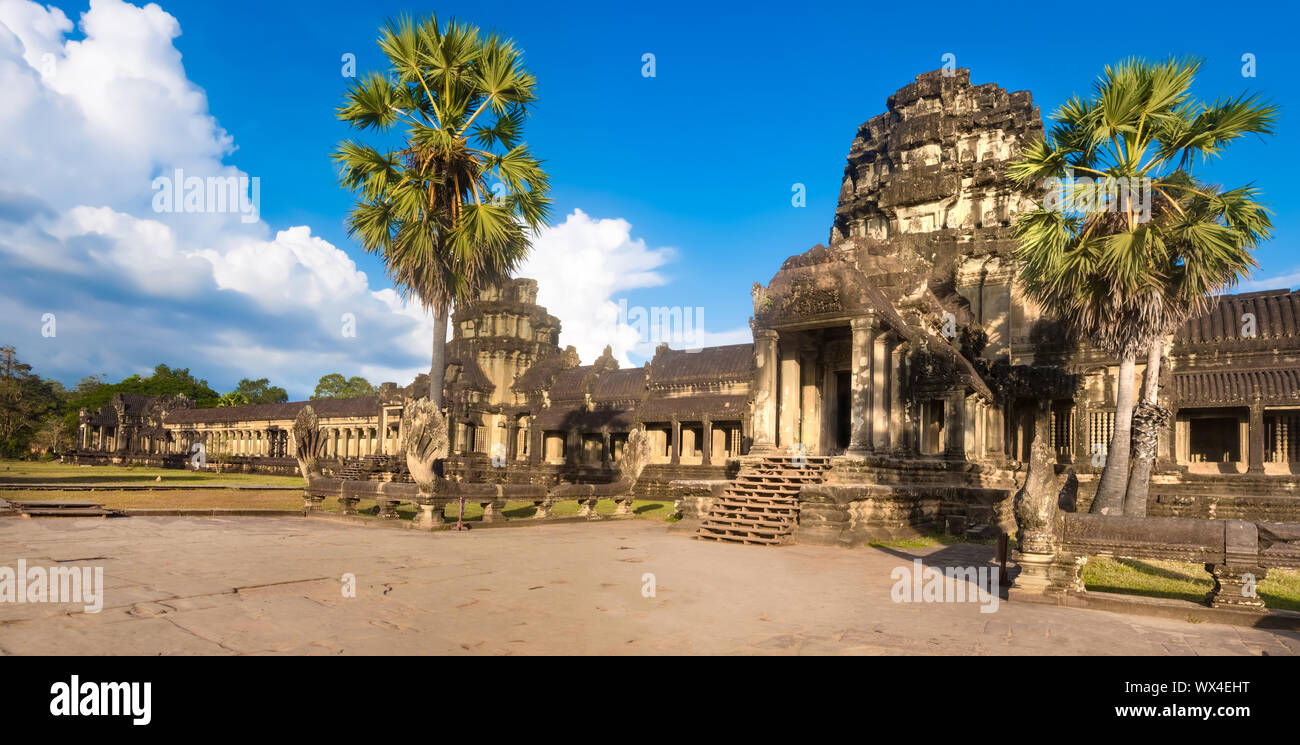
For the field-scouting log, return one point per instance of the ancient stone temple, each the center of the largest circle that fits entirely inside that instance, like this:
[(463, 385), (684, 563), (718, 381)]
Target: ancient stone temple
[(897, 378)]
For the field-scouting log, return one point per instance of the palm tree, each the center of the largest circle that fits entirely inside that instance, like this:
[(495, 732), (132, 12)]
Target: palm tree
[(1137, 245), (452, 209)]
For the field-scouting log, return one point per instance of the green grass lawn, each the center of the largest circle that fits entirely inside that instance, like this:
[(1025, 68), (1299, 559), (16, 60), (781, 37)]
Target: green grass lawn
[(1280, 590), (33, 472)]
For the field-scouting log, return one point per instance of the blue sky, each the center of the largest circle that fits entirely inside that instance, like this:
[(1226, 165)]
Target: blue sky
[(747, 100)]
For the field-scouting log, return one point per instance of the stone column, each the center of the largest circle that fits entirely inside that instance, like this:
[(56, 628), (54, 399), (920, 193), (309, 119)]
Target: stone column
[(864, 341), (1255, 450), (788, 400), (539, 442), (899, 439), (677, 442), (810, 420), (764, 420), (880, 385), (954, 425), (707, 445)]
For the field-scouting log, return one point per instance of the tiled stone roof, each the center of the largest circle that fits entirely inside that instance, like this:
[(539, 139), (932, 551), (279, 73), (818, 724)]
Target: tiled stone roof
[(1277, 314), (717, 407), (472, 375), (1238, 386), (710, 364), (619, 385), (324, 407)]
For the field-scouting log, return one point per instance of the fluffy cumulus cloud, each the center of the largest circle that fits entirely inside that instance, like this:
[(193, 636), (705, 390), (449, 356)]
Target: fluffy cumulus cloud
[(585, 267), (88, 126)]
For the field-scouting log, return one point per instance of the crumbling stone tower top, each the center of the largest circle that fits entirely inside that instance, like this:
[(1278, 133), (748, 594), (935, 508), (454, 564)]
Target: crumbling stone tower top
[(925, 187)]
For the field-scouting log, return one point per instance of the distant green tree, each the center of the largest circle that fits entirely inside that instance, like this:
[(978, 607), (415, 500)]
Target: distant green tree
[(26, 401), (92, 393), (234, 398), (261, 391), (336, 386)]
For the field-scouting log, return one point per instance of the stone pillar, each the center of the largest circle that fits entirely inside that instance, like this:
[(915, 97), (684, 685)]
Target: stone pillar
[(539, 442), (677, 442), (764, 420), (880, 384), (810, 420), (430, 517), (1234, 587), (899, 439), (954, 424), (789, 398), (707, 451), (1256, 446), (864, 341), (606, 453)]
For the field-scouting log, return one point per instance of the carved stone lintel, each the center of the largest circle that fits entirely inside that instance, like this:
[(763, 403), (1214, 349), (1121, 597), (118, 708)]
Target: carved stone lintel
[(1234, 587)]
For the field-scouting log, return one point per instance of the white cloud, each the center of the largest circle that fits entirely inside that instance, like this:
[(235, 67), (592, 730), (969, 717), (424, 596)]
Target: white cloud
[(1286, 281), (584, 266), (88, 124)]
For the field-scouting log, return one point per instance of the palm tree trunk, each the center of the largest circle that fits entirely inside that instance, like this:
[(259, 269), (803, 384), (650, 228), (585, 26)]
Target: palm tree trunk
[(1114, 477), (1146, 437), (438, 366)]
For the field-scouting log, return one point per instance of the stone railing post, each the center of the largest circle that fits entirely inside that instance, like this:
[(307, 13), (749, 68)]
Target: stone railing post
[(587, 508), (430, 516), (1236, 577), (543, 508)]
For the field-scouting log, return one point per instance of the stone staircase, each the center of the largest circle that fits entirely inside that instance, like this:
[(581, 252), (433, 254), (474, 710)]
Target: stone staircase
[(761, 505), (359, 469)]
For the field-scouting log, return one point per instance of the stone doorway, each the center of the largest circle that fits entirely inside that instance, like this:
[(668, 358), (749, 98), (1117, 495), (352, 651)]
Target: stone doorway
[(842, 411)]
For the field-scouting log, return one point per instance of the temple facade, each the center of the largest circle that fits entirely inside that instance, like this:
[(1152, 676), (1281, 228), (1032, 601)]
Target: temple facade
[(903, 353)]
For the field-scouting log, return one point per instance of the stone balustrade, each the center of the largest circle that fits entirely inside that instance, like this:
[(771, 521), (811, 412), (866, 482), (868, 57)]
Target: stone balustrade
[(491, 497), (1236, 553)]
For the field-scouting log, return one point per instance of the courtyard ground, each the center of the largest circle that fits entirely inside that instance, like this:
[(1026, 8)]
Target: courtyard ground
[(180, 585)]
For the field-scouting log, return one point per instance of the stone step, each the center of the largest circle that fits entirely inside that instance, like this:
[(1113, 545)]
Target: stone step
[(763, 524), (76, 512), (63, 509), (742, 537)]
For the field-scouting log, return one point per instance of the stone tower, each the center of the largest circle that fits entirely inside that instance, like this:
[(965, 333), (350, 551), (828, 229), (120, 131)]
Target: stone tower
[(504, 331), (925, 203)]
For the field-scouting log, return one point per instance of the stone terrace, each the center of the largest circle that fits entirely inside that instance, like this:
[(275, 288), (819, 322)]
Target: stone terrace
[(271, 585)]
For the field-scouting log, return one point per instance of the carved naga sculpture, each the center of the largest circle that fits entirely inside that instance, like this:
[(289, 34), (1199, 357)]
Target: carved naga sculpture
[(425, 442), (307, 437)]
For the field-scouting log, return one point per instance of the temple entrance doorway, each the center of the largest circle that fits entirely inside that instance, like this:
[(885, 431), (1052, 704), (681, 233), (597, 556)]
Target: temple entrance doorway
[(842, 410)]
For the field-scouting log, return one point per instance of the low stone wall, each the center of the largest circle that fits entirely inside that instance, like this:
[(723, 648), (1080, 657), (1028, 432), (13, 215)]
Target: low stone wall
[(1236, 553), (492, 497), (854, 514), (880, 497)]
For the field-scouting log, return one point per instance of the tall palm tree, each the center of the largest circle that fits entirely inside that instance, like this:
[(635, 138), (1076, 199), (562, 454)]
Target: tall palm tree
[(453, 207), (1124, 271)]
